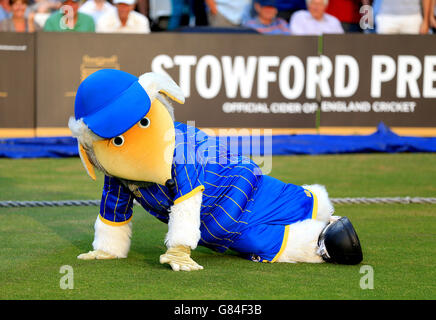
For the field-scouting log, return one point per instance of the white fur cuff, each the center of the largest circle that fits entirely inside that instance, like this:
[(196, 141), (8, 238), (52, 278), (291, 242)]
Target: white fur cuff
[(112, 239), (184, 223)]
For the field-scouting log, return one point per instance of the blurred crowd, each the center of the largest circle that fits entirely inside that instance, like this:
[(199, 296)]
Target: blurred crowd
[(288, 17)]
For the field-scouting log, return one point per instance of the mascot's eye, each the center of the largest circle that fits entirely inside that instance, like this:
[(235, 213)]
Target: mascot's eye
[(118, 141), (144, 123)]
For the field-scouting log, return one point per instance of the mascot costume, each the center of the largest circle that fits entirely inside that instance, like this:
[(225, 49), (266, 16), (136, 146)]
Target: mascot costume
[(207, 195)]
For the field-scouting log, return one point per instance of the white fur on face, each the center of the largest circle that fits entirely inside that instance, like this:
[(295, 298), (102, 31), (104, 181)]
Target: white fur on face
[(86, 138), (81, 131)]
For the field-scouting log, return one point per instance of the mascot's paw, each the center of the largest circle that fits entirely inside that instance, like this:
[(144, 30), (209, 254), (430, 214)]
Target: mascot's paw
[(97, 254), (179, 258)]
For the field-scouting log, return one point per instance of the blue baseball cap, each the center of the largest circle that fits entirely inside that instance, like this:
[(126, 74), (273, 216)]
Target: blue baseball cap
[(110, 102)]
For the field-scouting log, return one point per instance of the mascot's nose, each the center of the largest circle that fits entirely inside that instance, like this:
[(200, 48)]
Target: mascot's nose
[(171, 186)]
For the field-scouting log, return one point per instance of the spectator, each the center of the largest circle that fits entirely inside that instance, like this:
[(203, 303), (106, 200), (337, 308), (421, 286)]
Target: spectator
[(198, 8), (314, 20), (46, 5), (433, 15), (371, 19), (193, 10), (179, 8), (226, 13), (143, 7), (96, 8), (175, 14), (403, 16), (43, 9), (18, 21), (347, 12), (124, 19), (159, 14), (266, 21), (5, 9), (69, 19)]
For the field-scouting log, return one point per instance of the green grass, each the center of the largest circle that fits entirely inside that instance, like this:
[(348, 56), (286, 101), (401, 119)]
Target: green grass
[(398, 240)]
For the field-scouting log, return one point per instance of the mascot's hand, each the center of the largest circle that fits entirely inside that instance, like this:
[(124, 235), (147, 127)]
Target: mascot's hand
[(97, 254), (179, 258)]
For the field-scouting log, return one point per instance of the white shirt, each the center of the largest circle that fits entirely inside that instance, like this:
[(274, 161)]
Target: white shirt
[(400, 7), (232, 9), (110, 23), (90, 8), (302, 23)]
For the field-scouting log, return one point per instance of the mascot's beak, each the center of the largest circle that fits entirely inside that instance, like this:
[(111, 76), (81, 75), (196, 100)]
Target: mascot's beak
[(142, 153)]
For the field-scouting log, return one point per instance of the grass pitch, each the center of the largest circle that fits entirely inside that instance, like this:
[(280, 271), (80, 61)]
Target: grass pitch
[(398, 240)]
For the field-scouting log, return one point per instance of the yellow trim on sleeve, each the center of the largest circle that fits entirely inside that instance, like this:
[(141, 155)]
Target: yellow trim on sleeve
[(284, 243), (115, 224), (189, 195), (310, 194), (315, 206)]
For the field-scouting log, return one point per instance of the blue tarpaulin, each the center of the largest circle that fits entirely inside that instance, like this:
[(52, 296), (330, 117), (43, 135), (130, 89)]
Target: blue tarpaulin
[(383, 140), (58, 147)]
